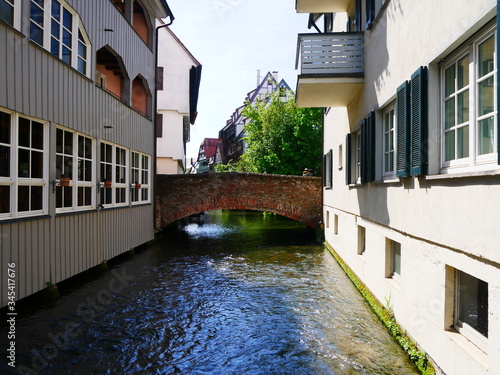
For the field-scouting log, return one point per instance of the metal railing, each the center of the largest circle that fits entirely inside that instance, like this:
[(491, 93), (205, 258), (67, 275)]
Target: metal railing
[(332, 54)]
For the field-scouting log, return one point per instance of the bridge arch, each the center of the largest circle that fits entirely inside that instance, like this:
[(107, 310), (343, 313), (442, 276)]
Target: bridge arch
[(294, 197)]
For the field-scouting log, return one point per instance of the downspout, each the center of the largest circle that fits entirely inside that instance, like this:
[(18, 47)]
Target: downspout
[(155, 110)]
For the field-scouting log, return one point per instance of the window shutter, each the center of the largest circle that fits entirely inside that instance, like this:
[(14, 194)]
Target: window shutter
[(159, 77), (418, 121), (159, 125), (364, 151), (348, 159), (324, 170), (402, 130), (370, 147)]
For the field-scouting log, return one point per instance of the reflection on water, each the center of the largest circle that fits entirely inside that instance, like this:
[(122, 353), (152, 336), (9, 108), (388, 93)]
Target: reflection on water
[(243, 293)]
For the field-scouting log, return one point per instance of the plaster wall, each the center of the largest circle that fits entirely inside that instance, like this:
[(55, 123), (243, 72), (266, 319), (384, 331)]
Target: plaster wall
[(171, 144), (443, 222)]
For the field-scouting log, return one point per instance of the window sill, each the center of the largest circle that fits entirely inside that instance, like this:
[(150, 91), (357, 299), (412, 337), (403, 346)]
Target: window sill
[(388, 180), (469, 347), (446, 176)]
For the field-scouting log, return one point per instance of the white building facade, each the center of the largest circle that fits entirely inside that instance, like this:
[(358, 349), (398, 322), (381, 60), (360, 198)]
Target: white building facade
[(178, 80), (412, 175)]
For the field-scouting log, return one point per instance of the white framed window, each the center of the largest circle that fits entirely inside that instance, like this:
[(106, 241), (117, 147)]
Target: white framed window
[(10, 12), (357, 156), (468, 106), (57, 27), (393, 259), (341, 157), (388, 142), (140, 170), (113, 175), (75, 160), (471, 308), (23, 166), (361, 239)]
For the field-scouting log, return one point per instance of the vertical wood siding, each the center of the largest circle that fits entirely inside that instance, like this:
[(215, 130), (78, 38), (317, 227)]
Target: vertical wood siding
[(37, 84)]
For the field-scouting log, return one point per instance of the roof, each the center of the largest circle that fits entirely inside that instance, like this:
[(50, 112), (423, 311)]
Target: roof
[(237, 117), (209, 146)]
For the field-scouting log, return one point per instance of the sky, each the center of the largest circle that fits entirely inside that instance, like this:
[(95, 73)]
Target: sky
[(232, 39)]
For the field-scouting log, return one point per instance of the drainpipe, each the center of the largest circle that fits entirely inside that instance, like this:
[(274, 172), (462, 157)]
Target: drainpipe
[(155, 109)]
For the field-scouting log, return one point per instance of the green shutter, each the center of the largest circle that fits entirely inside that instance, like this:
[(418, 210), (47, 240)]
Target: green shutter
[(370, 144), (329, 170), (348, 159), (324, 170), (402, 130), (364, 150), (418, 121)]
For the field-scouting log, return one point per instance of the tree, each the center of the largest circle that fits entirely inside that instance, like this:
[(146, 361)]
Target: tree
[(282, 138)]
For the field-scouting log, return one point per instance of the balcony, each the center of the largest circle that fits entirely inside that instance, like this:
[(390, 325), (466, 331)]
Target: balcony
[(321, 6), (331, 69)]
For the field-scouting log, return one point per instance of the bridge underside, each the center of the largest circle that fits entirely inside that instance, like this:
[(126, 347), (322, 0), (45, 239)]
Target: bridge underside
[(170, 215), (294, 197)]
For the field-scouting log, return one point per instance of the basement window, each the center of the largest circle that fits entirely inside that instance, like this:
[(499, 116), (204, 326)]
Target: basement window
[(471, 308)]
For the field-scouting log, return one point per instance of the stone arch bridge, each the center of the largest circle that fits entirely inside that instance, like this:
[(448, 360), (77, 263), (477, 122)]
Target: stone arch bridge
[(296, 197)]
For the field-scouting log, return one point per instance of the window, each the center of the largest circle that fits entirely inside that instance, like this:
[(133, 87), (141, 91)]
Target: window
[(340, 159), (335, 224), (468, 106), (388, 142), (23, 166), (327, 219), (57, 27), (471, 308), (357, 156), (113, 175), (393, 258), (361, 239), (7, 11), (327, 169), (74, 160), (140, 177)]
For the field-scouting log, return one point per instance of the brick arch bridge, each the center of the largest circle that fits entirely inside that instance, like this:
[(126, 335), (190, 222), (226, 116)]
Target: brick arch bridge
[(295, 197)]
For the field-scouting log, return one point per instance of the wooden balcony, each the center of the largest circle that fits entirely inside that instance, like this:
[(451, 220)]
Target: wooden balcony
[(331, 69), (321, 6)]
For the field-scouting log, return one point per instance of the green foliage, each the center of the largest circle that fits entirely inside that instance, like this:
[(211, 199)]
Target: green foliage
[(281, 138), (386, 316)]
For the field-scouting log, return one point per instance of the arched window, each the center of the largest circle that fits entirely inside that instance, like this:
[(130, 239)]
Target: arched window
[(111, 74), (141, 96), (141, 23), (58, 28)]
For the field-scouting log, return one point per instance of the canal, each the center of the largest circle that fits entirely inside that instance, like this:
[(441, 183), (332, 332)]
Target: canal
[(241, 293)]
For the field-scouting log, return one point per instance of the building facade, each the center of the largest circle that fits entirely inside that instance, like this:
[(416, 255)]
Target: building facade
[(178, 82), (76, 135), (233, 133), (411, 157)]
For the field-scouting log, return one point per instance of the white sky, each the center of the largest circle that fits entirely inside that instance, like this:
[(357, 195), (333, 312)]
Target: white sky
[(232, 39)]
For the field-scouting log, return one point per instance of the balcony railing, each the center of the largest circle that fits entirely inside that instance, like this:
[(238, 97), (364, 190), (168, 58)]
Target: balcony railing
[(331, 54)]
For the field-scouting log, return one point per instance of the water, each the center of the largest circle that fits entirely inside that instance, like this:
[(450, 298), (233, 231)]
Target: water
[(243, 293)]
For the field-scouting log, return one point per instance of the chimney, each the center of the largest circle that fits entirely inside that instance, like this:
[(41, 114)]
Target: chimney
[(275, 74), (258, 77)]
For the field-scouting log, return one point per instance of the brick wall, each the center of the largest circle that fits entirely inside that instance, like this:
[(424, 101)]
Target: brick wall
[(295, 197)]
